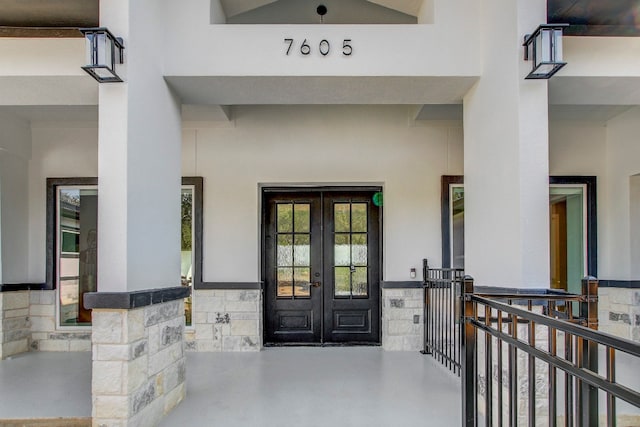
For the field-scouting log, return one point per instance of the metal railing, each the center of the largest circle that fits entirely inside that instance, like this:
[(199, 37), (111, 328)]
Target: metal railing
[(442, 338), (533, 358)]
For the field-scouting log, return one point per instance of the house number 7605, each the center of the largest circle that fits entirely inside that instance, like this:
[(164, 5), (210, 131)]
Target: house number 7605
[(324, 47)]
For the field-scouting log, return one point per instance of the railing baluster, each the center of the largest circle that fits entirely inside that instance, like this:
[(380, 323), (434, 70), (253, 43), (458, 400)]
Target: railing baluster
[(568, 398), (513, 373), (532, 372), (611, 376), (500, 390), (488, 370), (553, 349), (469, 360)]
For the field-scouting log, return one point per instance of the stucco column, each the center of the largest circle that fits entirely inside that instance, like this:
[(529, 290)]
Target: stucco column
[(139, 164), (506, 161), (138, 314)]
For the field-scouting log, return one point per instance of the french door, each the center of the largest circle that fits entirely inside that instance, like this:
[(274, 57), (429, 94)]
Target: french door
[(321, 257)]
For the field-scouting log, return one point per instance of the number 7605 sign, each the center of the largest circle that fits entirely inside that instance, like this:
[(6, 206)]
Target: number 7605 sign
[(323, 47)]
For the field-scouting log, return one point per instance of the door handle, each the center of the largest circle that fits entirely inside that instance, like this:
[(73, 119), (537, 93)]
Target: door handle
[(316, 284)]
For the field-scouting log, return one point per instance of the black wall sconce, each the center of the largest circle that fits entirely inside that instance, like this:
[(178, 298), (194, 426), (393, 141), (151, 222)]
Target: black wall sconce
[(104, 51), (544, 47)]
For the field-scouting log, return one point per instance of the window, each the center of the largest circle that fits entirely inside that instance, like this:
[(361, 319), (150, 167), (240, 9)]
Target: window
[(72, 243), (572, 219)]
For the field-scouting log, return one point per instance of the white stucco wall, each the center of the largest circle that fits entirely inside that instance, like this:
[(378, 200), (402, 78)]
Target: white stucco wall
[(59, 150), (320, 145), (15, 149), (610, 151)]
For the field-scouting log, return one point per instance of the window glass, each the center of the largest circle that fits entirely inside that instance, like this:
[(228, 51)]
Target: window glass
[(77, 252), (186, 248)]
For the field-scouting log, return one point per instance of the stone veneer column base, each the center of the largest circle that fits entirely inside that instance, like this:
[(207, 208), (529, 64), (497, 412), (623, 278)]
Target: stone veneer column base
[(402, 319), (138, 364), (14, 315), (226, 320)]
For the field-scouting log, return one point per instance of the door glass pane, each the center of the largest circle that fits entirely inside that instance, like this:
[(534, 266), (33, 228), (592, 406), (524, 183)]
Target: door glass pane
[(302, 218), (285, 250), (359, 282), (341, 216), (342, 250), (342, 280), (285, 282), (77, 252), (285, 217), (302, 277), (301, 250), (186, 248), (359, 217), (359, 249), (567, 237), (457, 227)]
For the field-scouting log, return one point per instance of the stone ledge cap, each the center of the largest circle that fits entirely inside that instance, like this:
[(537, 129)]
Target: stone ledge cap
[(134, 299)]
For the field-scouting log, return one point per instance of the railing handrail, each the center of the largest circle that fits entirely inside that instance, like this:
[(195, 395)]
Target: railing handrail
[(603, 338)]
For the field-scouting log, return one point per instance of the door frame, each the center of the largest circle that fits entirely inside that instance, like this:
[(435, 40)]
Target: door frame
[(266, 189)]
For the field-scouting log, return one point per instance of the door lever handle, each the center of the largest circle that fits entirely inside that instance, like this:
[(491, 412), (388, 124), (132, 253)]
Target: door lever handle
[(316, 284)]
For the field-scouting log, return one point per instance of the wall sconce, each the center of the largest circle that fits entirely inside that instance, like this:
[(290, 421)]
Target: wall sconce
[(544, 46), (104, 51)]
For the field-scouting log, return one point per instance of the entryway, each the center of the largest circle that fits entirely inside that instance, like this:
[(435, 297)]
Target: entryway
[(321, 265)]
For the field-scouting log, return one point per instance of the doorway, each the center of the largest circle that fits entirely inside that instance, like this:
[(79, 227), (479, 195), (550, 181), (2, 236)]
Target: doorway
[(321, 265)]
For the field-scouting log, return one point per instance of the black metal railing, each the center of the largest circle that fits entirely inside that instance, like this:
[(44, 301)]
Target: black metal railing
[(442, 338), (533, 358)]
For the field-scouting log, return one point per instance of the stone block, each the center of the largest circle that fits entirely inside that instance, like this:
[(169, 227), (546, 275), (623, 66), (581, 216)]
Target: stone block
[(209, 345), (171, 335), (112, 407), (242, 306), (175, 374), (53, 345), (143, 396), (412, 343), (200, 317), (244, 327), (150, 416), (79, 345), (15, 300), (15, 323), (204, 332), (159, 313), (396, 303), (15, 335), (47, 297), (107, 378), (18, 312), (109, 423), (243, 316), (42, 310), (392, 343), (190, 345), (135, 373), (111, 352), (164, 358), (108, 326), (401, 327), (135, 325), (153, 333), (243, 343), (34, 297), (174, 397), (139, 349), (15, 347), (620, 296)]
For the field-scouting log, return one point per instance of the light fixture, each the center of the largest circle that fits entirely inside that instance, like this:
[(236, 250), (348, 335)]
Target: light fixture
[(544, 47), (104, 51)]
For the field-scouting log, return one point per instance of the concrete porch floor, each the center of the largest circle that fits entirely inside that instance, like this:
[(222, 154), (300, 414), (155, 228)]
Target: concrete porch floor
[(353, 386)]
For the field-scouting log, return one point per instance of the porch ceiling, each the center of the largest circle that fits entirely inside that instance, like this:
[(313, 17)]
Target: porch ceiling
[(294, 90)]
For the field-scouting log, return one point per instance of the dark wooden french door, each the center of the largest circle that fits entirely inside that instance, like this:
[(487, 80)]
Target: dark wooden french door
[(321, 266)]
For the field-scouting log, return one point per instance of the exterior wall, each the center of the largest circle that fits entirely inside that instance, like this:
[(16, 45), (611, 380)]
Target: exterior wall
[(62, 149), (402, 319), (14, 331), (138, 364), (44, 334), (226, 320), (619, 312), (320, 145)]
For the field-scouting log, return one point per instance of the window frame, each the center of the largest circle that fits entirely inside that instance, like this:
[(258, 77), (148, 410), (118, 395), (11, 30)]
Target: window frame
[(52, 187)]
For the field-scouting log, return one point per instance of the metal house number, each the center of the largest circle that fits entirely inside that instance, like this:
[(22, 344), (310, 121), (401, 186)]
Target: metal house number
[(323, 47)]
